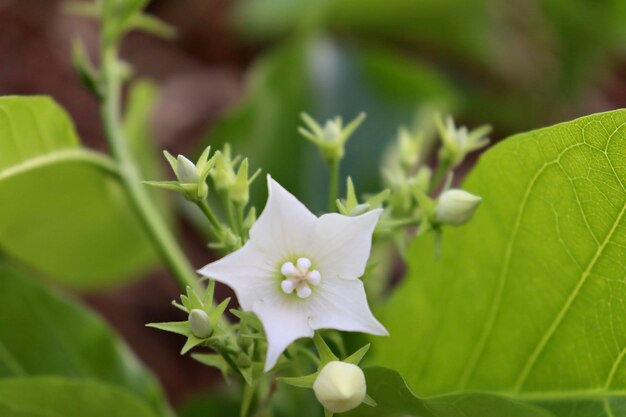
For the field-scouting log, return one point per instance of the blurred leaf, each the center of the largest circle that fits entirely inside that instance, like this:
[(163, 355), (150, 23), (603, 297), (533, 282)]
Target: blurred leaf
[(220, 402), (63, 210), (395, 399), (44, 333), (325, 79), (138, 129), (526, 299), (53, 396)]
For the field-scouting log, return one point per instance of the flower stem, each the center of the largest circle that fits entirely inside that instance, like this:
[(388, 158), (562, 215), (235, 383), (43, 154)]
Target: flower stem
[(163, 241), (215, 225), (442, 170), (333, 184)]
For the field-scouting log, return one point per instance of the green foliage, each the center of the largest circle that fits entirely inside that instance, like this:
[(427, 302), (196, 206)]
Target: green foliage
[(526, 300), (45, 333), (59, 397), (325, 78), (395, 399), (63, 211)]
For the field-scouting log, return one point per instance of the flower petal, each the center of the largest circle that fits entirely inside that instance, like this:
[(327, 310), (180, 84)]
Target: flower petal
[(285, 226), (284, 319), (248, 272), (342, 304), (342, 244)]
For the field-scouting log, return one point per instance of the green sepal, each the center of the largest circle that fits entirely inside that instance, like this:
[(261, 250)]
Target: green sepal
[(87, 73), (248, 318), (326, 355), (192, 342), (306, 381), (214, 360), (357, 356), (369, 401), (178, 327)]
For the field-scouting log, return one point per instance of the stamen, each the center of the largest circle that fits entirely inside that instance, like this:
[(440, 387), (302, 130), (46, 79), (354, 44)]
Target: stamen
[(289, 270), (298, 277), (303, 264), (304, 291), (314, 277)]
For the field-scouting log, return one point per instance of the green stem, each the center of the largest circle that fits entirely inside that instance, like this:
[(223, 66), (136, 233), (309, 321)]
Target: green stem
[(333, 185), (152, 222), (442, 170), (216, 226)]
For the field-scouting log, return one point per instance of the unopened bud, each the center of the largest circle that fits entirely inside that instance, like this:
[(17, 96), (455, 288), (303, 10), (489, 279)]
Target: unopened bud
[(223, 174), (340, 386), (200, 324), (186, 171), (456, 207)]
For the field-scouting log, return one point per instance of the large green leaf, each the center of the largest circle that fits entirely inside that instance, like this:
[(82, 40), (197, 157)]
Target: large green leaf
[(395, 399), (59, 397), (44, 333), (63, 210), (326, 78), (527, 299)]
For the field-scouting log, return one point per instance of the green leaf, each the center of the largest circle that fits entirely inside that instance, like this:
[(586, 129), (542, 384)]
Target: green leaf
[(526, 298), (54, 396), (293, 79), (63, 210), (45, 333), (395, 398)]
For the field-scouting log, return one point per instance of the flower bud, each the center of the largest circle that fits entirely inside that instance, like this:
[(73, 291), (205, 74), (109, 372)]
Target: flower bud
[(456, 207), (186, 171), (223, 174), (243, 361), (200, 324), (340, 386)]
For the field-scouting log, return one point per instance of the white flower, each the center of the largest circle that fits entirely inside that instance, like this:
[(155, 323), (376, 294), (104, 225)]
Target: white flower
[(299, 273), (340, 386)]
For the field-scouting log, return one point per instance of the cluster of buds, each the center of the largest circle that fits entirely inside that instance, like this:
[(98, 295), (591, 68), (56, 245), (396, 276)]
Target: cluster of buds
[(332, 137), (230, 179), (339, 385), (457, 142), (350, 206)]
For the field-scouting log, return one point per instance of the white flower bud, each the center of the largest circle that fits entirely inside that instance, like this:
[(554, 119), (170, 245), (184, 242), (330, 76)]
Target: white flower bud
[(200, 324), (340, 386), (456, 207), (186, 171)]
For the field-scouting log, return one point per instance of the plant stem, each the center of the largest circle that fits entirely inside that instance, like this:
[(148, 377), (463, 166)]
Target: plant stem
[(333, 184), (165, 244), (440, 173), (216, 226)]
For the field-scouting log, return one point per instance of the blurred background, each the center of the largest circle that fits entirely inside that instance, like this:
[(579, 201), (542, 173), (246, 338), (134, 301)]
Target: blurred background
[(242, 71)]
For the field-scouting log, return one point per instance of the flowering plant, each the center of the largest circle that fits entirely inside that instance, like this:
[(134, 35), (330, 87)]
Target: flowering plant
[(500, 295)]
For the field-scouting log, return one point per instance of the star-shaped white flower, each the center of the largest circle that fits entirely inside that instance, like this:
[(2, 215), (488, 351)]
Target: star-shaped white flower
[(299, 273)]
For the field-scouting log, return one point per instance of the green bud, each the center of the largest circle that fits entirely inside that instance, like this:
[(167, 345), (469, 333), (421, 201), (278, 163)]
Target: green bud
[(240, 191), (458, 142), (243, 361), (223, 174), (244, 342), (331, 138), (456, 207), (340, 386), (200, 324)]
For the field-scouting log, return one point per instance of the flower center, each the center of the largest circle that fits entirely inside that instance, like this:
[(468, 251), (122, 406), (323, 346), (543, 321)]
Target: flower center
[(298, 277)]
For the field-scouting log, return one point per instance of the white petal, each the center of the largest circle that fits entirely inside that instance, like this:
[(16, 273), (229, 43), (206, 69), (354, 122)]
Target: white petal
[(284, 319), (342, 244), (248, 272), (304, 264), (342, 304), (285, 225), (287, 286), (315, 277)]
